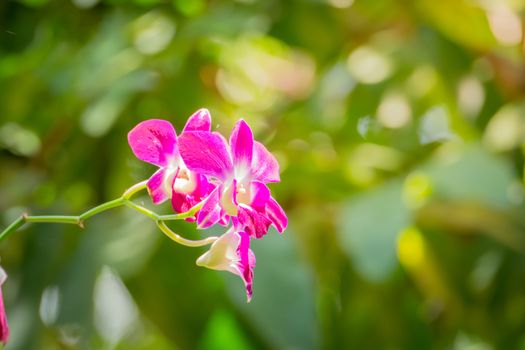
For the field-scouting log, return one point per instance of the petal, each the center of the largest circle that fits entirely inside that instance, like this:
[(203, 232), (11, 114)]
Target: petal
[(153, 141), (228, 198), (241, 143), (246, 263), (260, 194), (4, 327), (203, 189), (210, 212), (199, 121), (264, 165), (3, 276), (206, 153), (182, 202), (276, 214), (225, 219), (222, 253), (231, 252), (160, 184), (255, 223)]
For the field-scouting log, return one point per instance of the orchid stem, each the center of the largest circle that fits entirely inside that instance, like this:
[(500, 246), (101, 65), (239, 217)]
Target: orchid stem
[(13, 227), (134, 189), (54, 218), (187, 242), (100, 208), (184, 215), (123, 200), (152, 215)]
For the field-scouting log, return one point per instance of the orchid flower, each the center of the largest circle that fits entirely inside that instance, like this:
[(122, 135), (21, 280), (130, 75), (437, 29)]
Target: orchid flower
[(4, 328), (231, 252), (155, 141), (208, 179), (241, 171)]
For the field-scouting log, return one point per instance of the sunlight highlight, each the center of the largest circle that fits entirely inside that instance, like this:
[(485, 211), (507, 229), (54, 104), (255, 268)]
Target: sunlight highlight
[(411, 248), (505, 24), (394, 111), (368, 65), (471, 96), (506, 129)]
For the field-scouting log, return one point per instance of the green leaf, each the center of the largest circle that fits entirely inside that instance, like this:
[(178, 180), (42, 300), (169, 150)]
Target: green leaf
[(368, 228), (471, 173), (459, 20)]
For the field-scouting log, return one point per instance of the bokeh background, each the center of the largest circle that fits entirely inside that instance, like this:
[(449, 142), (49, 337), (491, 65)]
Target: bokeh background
[(399, 127)]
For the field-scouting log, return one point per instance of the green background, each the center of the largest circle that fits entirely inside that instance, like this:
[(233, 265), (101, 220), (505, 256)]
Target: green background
[(399, 127)]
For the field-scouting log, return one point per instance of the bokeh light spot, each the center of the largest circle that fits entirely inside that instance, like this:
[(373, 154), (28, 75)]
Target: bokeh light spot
[(368, 65)]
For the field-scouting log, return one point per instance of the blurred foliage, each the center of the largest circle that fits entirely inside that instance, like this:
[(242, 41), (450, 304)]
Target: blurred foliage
[(400, 129)]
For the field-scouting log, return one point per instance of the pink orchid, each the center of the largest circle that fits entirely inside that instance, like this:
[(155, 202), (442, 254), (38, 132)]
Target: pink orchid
[(155, 141), (241, 171), (231, 252), (4, 328)]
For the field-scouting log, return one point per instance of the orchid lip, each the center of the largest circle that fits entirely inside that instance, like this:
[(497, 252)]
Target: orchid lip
[(185, 182), (243, 194), (228, 199), (171, 172)]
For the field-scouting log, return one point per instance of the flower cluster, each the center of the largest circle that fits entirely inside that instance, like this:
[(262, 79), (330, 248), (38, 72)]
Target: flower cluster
[(226, 180)]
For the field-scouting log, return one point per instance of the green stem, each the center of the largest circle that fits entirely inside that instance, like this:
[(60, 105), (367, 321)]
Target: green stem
[(100, 208), (152, 215), (185, 215), (134, 189), (123, 200), (63, 219), (181, 240), (13, 227)]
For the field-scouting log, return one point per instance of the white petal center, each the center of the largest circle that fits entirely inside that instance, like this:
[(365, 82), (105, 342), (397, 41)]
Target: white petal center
[(186, 181)]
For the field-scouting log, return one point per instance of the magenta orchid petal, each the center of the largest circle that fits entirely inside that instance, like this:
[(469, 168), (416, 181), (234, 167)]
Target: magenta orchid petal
[(198, 121), (265, 167), (206, 153), (276, 215), (203, 189), (260, 194), (225, 219), (210, 212), (154, 141), (160, 184), (182, 202), (4, 327), (246, 263), (241, 143), (255, 223)]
